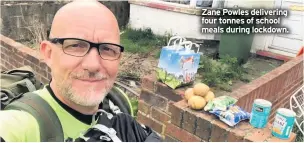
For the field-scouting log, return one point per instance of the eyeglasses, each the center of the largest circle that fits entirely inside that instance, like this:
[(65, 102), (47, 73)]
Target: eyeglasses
[(79, 48)]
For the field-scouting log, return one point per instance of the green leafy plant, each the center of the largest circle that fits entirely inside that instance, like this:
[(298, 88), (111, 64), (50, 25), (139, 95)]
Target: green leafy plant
[(300, 136), (157, 54), (134, 103), (168, 79), (296, 129), (141, 41), (221, 73)]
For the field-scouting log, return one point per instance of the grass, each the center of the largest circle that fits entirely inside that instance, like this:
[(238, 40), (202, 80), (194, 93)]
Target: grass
[(142, 41), (134, 103), (300, 136), (296, 130)]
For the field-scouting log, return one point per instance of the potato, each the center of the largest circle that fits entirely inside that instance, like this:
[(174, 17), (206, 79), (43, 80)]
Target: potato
[(209, 96), (196, 102), (189, 93), (201, 89)]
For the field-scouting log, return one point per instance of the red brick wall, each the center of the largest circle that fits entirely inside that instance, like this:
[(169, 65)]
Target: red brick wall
[(14, 54), (276, 86), (167, 113)]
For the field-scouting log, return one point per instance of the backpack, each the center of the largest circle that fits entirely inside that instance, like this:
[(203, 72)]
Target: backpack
[(16, 82), (16, 93)]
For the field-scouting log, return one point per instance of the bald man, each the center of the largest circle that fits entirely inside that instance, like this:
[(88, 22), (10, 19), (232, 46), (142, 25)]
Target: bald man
[(83, 52)]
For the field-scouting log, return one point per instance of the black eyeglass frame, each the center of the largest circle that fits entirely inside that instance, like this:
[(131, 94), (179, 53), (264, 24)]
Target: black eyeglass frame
[(96, 45)]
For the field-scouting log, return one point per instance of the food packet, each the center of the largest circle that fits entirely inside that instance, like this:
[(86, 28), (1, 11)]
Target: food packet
[(232, 116), (220, 103)]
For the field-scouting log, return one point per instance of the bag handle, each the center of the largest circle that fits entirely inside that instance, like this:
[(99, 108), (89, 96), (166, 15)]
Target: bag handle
[(197, 46), (187, 45), (15, 72), (176, 38)]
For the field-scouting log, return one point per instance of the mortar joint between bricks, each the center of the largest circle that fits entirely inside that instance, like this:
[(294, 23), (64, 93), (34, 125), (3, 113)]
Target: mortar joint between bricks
[(209, 127), (182, 119), (209, 137), (195, 125), (226, 136), (167, 109), (163, 129), (154, 86)]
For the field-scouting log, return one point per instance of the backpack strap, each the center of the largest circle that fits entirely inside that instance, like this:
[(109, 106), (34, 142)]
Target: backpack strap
[(115, 109), (49, 124), (120, 99), (102, 127), (30, 86)]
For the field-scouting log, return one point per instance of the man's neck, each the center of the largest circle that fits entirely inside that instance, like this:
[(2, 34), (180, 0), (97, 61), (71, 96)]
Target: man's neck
[(82, 109)]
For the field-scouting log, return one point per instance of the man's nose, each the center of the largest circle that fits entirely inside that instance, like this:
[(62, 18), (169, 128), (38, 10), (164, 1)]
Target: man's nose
[(91, 60)]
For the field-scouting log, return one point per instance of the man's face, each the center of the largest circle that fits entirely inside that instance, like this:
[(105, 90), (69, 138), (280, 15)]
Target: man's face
[(84, 80)]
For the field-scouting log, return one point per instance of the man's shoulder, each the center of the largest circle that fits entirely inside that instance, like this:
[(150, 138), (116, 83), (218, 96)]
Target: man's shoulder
[(15, 116), (16, 124), (13, 113), (19, 114)]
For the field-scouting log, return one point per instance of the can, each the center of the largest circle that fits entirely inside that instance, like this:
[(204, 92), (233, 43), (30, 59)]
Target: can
[(259, 113), (283, 123)]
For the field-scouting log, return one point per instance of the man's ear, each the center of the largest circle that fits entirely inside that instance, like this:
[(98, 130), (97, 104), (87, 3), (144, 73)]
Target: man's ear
[(46, 52)]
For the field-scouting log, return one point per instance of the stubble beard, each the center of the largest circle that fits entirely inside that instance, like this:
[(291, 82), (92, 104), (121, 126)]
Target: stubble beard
[(90, 97)]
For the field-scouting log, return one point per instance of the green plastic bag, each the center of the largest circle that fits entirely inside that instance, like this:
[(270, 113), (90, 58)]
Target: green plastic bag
[(220, 103)]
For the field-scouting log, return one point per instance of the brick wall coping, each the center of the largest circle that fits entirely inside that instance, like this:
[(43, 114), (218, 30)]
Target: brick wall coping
[(21, 48), (238, 93), (210, 128), (276, 86), (181, 8), (189, 125), (15, 55), (177, 122)]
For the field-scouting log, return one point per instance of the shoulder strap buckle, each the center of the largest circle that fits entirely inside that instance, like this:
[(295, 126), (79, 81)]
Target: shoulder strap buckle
[(109, 131)]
